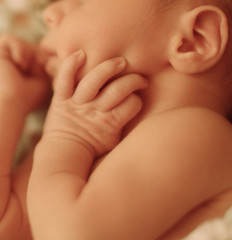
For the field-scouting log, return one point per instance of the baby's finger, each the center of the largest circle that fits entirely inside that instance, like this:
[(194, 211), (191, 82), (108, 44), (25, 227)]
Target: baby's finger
[(118, 90), (126, 110), (16, 50), (90, 85), (64, 85)]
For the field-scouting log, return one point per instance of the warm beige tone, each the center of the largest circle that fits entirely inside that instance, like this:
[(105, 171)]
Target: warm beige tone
[(172, 168)]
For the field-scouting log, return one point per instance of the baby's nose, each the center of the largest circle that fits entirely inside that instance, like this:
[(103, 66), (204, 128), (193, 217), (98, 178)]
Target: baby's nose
[(53, 14)]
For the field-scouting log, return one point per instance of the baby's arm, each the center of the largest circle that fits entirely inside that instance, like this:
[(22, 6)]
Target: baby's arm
[(162, 170), (20, 92), (82, 124)]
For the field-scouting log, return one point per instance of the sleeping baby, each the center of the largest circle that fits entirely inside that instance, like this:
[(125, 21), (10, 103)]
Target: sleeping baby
[(137, 142)]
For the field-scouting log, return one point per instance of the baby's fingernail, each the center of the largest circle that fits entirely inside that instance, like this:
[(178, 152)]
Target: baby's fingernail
[(79, 54), (121, 62)]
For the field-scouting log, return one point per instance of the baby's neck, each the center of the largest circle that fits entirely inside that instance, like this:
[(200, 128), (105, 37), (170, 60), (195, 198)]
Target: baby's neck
[(173, 91)]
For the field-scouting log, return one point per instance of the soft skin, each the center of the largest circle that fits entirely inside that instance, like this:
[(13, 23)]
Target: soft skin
[(106, 38), (24, 87), (171, 171), (172, 168)]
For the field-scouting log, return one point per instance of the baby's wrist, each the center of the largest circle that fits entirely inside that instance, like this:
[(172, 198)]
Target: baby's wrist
[(74, 143), (63, 155)]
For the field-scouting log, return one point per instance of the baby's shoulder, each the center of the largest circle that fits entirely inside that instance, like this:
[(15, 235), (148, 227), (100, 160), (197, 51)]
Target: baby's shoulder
[(192, 119), (193, 114), (196, 140), (198, 132)]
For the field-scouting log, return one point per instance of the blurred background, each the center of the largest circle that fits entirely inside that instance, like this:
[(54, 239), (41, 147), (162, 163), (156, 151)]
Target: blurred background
[(22, 18)]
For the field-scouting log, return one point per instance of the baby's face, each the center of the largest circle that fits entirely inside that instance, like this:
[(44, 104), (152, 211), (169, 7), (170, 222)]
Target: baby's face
[(102, 28)]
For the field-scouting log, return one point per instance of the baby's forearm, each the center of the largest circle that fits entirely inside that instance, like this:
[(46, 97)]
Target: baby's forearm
[(11, 124), (60, 162), (60, 171), (83, 123)]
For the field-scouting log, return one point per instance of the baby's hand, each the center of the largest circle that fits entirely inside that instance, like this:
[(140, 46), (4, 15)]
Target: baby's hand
[(93, 113), (22, 80)]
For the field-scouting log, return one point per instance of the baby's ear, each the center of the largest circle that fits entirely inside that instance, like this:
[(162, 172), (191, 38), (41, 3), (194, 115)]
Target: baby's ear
[(199, 41)]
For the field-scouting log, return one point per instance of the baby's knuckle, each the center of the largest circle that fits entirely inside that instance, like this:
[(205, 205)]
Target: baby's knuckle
[(106, 67), (98, 106), (87, 86), (115, 90), (115, 121)]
